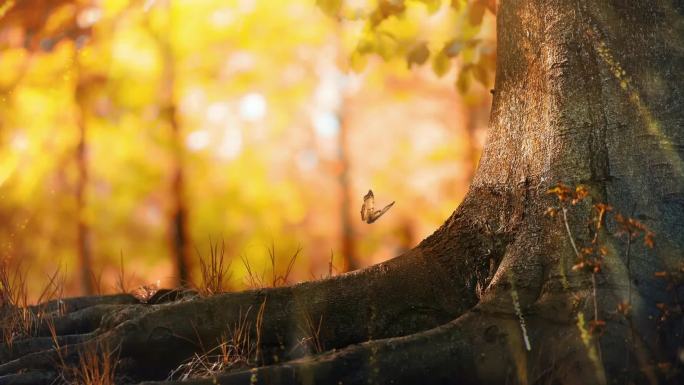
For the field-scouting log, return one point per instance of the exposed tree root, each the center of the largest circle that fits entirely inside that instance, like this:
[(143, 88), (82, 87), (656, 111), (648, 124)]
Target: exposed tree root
[(29, 378), (476, 348), (69, 305), (406, 295), (38, 344)]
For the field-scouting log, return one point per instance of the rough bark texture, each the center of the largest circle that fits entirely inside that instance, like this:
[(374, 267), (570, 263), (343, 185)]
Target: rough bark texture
[(586, 92)]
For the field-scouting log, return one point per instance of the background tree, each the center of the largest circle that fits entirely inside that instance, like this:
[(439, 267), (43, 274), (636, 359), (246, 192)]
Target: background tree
[(239, 119), (85, 258), (178, 225)]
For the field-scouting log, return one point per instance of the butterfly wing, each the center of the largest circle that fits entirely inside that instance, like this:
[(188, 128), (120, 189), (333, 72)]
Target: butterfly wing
[(368, 206), (377, 214)]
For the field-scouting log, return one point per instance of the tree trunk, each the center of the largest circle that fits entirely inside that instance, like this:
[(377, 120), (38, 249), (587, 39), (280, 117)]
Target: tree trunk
[(179, 212), (178, 226), (347, 233), (83, 236), (586, 92)]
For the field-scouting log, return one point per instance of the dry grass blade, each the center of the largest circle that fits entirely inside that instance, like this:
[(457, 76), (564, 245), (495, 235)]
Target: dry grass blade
[(55, 343), (235, 350), (16, 319), (281, 279), (96, 365), (284, 279), (12, 286), (254, 281), (259, 326), (215, 271), (277, 279), (121, 286), (312, 331)]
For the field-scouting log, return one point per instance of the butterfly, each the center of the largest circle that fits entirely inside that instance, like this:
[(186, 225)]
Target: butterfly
[(368, 212)]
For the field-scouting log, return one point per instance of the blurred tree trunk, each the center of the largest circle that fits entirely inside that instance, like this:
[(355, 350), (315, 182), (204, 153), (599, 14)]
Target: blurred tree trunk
[(178, 229), (83, 227), (179, 210), (477, 118), (348, 236)]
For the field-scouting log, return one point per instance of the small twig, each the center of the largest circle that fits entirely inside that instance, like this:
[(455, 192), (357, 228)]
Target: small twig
[(567, 228), (259, 325)]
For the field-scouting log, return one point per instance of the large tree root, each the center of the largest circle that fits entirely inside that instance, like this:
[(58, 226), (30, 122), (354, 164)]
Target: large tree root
[(476, 348), (69, 305), (414, 292)]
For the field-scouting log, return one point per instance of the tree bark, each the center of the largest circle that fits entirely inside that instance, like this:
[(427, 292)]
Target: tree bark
[(586, 92)]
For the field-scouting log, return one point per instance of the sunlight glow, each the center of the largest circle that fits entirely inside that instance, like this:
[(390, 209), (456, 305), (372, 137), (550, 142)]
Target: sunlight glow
[(246, 6), (193, 101), (148, 5), (327, 124), (223, 17), (218, 112), (231, 145), (649, 120), (253, 107), (197, 140), (19, 142), (239, 62), (307, 160), (88, 17)]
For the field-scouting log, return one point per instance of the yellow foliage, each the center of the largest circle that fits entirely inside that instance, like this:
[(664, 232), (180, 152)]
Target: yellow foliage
[(247, 100)]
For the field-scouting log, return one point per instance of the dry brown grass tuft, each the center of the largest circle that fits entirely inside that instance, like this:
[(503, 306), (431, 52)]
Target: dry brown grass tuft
[(256, 281), (96, 365), (121, 285), (17, 319), (235, 349), (215, 272), (312, 331)]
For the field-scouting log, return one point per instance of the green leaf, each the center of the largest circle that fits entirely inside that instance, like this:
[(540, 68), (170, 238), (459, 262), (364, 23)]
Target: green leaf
[(387, 45), (357, 61), (366, 44), (464, 79), (432, 5), (418, 55), (480, 73), (470, 52), (330, 7), (441, 64), (452, 47)]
